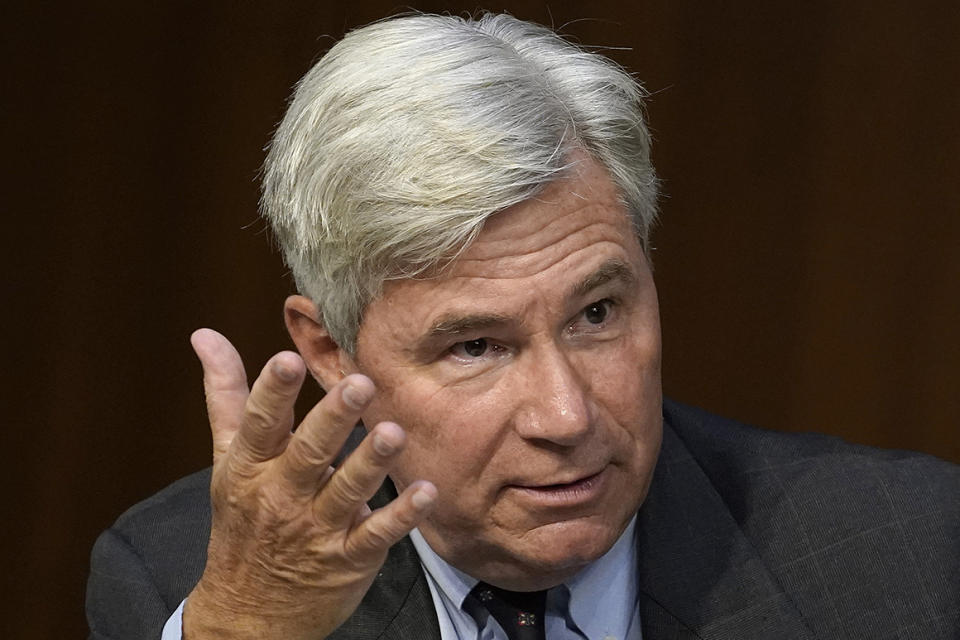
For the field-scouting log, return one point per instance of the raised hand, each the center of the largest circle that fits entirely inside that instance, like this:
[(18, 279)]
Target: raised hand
[(293, 545)]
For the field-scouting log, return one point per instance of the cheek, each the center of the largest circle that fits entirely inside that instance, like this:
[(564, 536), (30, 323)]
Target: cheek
[(625, 383), (626, 370), (451, 435)]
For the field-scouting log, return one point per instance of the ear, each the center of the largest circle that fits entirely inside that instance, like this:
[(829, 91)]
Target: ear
[(325, 360)]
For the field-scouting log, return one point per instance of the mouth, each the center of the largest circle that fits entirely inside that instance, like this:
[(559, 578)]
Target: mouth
[(580, 491)]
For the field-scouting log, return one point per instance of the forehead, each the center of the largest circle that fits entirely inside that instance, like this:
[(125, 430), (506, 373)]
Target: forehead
[(578, 211), (528, 259)]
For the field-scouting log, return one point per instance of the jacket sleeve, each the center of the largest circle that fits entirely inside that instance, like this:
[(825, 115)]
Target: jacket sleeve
[(123, 602)]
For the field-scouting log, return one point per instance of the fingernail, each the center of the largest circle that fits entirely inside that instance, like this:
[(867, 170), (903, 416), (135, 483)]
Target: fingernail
[(356, 398), (284, 373), (382, 446), (423, 498)]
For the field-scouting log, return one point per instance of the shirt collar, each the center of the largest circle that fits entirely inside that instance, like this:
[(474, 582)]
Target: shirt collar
[(601, 600), (603, 596), (455, 584)]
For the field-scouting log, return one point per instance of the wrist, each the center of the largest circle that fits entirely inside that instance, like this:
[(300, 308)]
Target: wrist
[(207, 617)]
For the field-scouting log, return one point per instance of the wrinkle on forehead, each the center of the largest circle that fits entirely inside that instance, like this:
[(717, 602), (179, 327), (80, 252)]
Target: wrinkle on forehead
[(513, 265), (542, 247), (576, 222), (578, 211)]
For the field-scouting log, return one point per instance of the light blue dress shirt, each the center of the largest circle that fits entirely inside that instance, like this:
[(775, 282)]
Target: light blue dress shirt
[(599, 603)]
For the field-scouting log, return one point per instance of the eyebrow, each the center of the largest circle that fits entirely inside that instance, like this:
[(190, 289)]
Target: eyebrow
[(454, 325), (610, 271)]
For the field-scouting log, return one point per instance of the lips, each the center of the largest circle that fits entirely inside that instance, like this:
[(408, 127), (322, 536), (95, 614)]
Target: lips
[(584, 489), (559, 485)]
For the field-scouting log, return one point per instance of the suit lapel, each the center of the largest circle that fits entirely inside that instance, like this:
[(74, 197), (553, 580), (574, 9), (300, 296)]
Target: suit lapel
[(398, 605), (699, 575), (416, 617)]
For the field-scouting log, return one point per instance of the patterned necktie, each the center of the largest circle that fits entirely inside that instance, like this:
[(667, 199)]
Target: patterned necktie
[(521, 614)]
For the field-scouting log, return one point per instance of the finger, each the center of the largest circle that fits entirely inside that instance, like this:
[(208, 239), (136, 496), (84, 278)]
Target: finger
[(224, 385), (268, 414), (361, 474), (385, 527), (323, 431)]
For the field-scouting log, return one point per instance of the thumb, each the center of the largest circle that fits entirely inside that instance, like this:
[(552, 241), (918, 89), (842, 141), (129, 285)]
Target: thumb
[(224, 384)]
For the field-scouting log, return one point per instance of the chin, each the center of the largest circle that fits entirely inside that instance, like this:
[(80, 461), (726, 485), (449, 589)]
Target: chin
[(536, 558), (568, 546)]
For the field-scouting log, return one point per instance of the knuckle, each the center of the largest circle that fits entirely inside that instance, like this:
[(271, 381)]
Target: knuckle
[(236, 472), (380, 535), (261, 507), (375, 538), (304, 454), (347, 488), (258, 414), (275, 508), (335, 420)]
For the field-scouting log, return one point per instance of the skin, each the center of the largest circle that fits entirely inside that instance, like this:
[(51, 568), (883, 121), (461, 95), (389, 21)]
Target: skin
[(293, 546), (526, 378), (554, 398)]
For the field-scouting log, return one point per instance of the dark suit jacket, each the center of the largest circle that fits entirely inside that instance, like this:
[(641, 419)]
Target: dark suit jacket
[(746, 534)]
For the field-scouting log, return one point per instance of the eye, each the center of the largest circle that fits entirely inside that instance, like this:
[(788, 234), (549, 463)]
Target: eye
[(597, 312), (475, 348), (471, 349), (596, 317)]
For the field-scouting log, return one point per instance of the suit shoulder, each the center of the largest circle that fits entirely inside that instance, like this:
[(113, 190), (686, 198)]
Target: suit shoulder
[(181, 503), (843, 527), (814, 471), (161, 541), (727, 446)]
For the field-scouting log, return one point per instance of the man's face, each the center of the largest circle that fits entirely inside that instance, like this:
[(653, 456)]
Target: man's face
[(527, 377)]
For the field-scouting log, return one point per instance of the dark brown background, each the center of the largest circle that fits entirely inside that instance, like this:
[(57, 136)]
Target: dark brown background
[(810, 154)]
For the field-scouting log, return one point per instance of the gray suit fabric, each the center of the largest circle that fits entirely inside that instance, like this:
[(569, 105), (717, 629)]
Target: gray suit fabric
[(745, 534)]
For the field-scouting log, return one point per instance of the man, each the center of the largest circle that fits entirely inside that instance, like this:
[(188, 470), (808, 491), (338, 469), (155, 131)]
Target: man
[(465, 206)]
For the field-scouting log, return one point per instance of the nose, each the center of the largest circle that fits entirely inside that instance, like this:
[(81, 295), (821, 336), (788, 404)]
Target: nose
[(557, 405)]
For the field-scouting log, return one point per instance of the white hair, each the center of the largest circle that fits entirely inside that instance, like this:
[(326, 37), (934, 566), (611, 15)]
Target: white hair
[(409, 133)]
